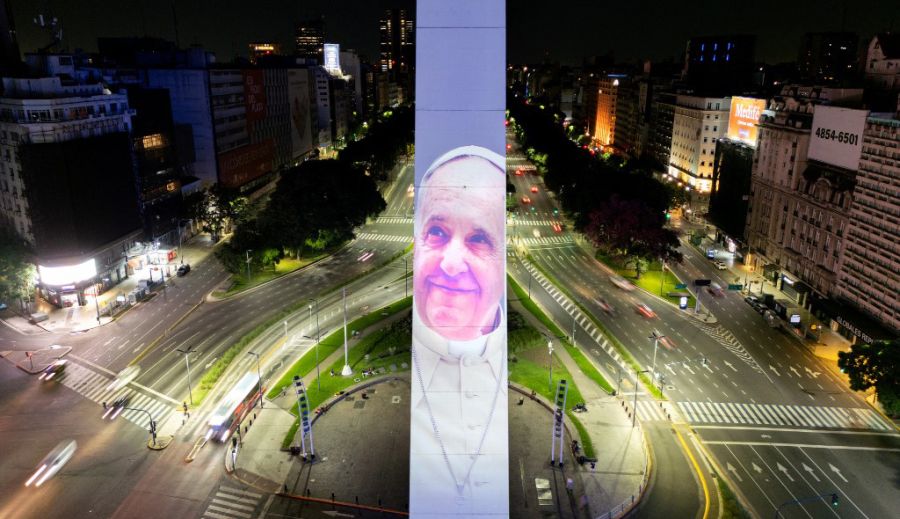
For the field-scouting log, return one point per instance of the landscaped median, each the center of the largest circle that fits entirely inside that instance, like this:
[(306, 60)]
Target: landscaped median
[(654, 279), (626, 355), (284, 267)]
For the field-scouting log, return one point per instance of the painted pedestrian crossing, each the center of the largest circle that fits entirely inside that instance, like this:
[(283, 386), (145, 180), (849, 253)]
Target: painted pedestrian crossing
[(231, 502), (532, 223), (95, 386), (546, 240), (394, 219), (654, 411), (368, 236), (804, 416)]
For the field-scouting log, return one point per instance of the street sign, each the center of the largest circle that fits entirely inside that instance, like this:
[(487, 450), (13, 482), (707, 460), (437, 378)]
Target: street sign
[(702, 282), (735, 287), (680, 285)]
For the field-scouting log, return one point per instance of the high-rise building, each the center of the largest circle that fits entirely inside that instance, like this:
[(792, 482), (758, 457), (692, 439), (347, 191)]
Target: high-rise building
[(605, 117), (67, 184), (662, 118), (262, 49), (719, 65), (309, 39), (9, 45), (397, 54), (696, 126), (730, 192), (870, 263), (828, 57), (799, 206)]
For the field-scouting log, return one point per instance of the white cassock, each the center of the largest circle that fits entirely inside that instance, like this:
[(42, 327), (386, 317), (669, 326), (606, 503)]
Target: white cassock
[(465, 395)]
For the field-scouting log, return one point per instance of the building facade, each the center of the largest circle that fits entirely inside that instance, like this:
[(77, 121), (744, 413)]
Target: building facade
[(67, 179), (605, 117), (799, 208), (259, 50), (697, 124), (309, 39), (662, 118), (828, 57), (870, 263)]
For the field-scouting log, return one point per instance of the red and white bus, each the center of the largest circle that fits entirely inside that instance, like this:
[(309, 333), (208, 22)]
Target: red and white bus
[(234, 407)]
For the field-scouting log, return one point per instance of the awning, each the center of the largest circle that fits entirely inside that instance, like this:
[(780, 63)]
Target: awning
[(857, 322)]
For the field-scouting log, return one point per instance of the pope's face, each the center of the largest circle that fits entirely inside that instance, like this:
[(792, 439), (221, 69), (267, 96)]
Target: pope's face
[(459, 248)]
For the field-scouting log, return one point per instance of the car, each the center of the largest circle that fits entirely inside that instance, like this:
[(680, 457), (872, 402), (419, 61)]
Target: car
[(3, 307), (751, 300), (720, 265), (52, 462), (605, 306), (519, 172), (557, 227), (536, 233), (534, 189), (526, 200), (715, 289), (115, 409), (645, 310), (55, 368), (621, 282), (183, 269)]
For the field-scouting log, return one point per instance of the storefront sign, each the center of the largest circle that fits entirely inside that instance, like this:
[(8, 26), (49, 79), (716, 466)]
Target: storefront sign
[(854, 330)]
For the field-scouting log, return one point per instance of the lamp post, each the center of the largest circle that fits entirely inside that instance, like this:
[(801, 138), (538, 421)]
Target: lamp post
[(656, 336), (405, 278), (347, 370), (259, 376), (248, 265), (550, 364), (187, 360), (637, 383), (318, 379)]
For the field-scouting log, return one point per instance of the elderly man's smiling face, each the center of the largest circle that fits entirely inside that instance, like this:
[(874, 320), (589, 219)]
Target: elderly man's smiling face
[(459, 248)]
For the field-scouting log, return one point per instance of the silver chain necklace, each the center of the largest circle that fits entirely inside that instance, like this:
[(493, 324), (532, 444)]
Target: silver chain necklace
[(460, 485)]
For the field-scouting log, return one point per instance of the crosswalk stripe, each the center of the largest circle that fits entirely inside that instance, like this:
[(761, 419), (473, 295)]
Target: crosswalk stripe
[(773, 415), (224, 494), (732, 411), (239, 491), (232, 513), (823, 417), (214, 515), (230, 504)]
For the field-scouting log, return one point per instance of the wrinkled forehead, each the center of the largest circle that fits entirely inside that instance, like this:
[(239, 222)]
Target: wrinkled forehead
[(462, 178)]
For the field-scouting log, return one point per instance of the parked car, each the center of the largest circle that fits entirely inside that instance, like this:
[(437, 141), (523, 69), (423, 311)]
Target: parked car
[(183, 269)]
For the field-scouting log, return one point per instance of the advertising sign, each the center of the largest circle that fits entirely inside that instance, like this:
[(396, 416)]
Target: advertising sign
[(241, 165), (836, 136), (301, 115), (743, 118), (332, 55), (254, 95), (459, 452)]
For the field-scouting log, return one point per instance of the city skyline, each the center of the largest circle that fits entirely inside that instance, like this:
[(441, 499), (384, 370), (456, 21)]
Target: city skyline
[(535, 32)]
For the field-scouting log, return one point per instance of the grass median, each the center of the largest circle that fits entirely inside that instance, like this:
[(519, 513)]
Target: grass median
[(623, 351), (654, 280)]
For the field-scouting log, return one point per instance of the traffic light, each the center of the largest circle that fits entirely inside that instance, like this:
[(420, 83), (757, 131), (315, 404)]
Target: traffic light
[(835, 500), (556, 211)]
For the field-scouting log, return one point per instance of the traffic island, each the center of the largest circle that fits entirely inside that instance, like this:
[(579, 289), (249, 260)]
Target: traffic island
[(161, 442)]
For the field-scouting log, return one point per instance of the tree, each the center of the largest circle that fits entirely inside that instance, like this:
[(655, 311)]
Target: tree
[(875, 365), (17, 274)]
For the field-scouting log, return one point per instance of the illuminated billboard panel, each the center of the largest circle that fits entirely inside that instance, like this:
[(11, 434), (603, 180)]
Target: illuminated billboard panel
[(743, 118), (332, 54), (459, 452), (836, 136), (68, 275)]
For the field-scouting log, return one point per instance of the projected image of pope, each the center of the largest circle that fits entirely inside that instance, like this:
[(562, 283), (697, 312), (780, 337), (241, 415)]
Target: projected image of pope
[(459, 415)]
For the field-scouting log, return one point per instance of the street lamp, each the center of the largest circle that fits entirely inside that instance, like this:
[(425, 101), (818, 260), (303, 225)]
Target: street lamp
[(550, 363), (259, 375), (316, 301), (248, 265), (656, 336), (187, 361)]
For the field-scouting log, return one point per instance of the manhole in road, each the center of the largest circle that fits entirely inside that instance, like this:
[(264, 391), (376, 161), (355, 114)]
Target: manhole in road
[(395, 399)]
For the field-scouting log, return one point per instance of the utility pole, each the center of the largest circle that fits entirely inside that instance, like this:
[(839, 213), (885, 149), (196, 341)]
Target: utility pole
[(550, 364), (248, 265), (347, 371), (187, 361)]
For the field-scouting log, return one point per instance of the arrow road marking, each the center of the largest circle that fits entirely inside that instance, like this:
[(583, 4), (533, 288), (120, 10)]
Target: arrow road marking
[(811, 473), (811, 373), (838, 472), (757, 468), (792, 368), (774, 370), (734, 471), (123, 344), (109, 341), (730, 365), (782, 468)]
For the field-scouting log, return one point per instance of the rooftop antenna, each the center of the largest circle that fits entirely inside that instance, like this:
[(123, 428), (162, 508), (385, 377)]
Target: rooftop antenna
[(51, 25)]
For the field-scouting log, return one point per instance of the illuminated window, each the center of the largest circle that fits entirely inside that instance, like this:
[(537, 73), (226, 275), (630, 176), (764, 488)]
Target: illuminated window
[(153, 141)]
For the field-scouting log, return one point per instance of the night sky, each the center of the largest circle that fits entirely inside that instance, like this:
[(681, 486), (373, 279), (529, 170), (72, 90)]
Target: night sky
[(563, 30)]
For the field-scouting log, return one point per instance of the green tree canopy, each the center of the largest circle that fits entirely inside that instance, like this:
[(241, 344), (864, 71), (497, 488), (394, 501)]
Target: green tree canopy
[(875, 365), (17, 273)]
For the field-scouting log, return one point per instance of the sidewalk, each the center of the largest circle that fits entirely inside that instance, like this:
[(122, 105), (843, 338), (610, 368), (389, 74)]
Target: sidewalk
[(82, 318), (621, 472)]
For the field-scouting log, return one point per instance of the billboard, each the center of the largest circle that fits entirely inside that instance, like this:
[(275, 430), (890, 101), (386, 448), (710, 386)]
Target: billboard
[(743, 118), (459, 452), (254, 95), (241, 165), (332, 54), (836, 136), (301, 115)]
